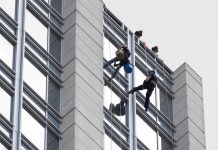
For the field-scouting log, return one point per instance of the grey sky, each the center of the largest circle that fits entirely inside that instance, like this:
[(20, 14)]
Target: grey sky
[(184, 31)]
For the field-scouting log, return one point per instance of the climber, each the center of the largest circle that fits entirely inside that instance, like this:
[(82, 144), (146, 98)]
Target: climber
[(149, 84), (122, 56)]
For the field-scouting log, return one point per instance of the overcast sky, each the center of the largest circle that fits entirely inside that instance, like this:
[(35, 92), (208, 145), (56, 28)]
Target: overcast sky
[(184, 31)]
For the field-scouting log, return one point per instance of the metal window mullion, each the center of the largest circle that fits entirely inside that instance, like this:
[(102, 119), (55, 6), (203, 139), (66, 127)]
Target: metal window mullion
[(19, 75)]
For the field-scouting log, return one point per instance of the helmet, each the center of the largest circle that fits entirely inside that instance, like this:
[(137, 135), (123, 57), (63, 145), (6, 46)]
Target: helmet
[(151, 72)]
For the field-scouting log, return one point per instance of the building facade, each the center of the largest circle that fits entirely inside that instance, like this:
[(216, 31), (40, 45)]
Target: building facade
[(52, 93)]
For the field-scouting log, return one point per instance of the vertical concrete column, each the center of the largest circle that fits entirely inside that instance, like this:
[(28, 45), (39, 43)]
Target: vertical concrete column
[(188, 109), (82, 58)]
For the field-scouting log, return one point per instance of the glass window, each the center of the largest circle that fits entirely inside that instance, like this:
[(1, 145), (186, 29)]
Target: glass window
[(111, 97), (2, 147), (5, 101), (54, 95), (6, 51), (53, 120), (36, 53), (34, 103), (109, 144), (52, 141), (111, 27), (6, 76), (22, 147), (36, 29), (164, 144), (36, 136), (36, 3), (8, 6), (4, 129), (146, 134), (35, 78), (54, 70), (57, 5), (55, 45), (164, 103)]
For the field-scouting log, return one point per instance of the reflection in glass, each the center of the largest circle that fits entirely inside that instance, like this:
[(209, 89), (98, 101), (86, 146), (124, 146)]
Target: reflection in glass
[(54, 95), (57, 5), (8, 6), (146, 134), (163, 144), (6, 51), (52, 141), (55, 45), (109, 144), (5, 104), (36, 29), (35, 78), (36, 136), (111, 97)]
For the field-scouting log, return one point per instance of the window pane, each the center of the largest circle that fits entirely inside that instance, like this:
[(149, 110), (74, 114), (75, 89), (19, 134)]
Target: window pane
[(5, 101), (36, 29), (6, 51), (8, 6), (54, 95), (146, 134), (164, 103), (36, 53), (164, 144), (111, 97), (55, 45), (109, 144), (6, 76), (52, 141), (34, 103), (2, 147), (34, 78), (36, 136), (4, 130), (57, 5)]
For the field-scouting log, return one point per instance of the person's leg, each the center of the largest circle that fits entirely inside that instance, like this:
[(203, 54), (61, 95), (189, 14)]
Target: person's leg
[(115, 72), (147, 100), (109, 62), (140, 87)]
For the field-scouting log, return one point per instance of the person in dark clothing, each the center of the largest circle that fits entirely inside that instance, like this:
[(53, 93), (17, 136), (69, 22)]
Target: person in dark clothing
[(122, 55), (119, 109), (149, 84)]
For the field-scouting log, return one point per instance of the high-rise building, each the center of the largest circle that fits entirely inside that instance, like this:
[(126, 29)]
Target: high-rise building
[(52, 93)]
